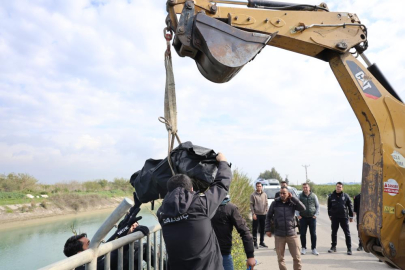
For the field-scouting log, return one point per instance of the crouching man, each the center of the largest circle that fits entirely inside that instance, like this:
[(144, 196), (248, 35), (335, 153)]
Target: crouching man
[(79, 243)]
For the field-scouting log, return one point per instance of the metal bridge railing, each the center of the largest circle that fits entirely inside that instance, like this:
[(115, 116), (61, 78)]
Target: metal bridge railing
[(89, 257)]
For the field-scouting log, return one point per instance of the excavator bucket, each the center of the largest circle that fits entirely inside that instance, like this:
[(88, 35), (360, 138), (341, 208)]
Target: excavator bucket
[(223, 49), (219, 49)]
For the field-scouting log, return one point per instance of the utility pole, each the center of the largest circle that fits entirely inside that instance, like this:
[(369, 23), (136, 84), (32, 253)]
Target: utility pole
[(306, 172)]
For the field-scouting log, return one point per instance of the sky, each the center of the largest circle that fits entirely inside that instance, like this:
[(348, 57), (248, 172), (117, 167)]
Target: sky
[(82, 86)]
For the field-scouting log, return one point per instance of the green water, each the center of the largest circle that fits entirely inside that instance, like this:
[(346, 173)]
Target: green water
[(36, 246)]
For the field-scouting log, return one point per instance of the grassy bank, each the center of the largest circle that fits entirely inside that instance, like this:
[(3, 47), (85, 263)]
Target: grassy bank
[(240, 191), (11, 198), (20, 188)]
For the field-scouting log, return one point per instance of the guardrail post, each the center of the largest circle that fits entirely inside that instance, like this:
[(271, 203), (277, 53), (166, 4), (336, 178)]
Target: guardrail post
[(148, 251), (161, 250), (107, 261), (131, 255), (140, 254), (155, 252)]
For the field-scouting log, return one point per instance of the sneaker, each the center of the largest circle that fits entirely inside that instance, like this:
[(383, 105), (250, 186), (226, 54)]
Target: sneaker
[(315, 252), (349, 251), (360, 248), (263, 245), (255, 244), (303, 251), (332, 249)]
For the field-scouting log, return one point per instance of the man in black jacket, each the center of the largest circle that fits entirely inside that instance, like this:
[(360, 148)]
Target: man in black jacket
[(185, 217), (340, 212), (227, 217), (282, 213)]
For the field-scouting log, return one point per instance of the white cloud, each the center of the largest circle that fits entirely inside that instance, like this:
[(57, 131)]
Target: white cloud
[(81, 88)]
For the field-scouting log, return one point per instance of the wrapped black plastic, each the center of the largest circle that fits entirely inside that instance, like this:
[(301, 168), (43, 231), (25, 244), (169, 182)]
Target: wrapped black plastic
[(199, 163)]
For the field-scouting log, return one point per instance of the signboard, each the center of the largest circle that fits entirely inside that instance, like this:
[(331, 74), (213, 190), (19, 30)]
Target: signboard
[(391, 187), (399, 159)]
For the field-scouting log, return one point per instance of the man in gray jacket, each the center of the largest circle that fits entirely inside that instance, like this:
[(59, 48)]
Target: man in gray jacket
[(282, 213), (259, 206)]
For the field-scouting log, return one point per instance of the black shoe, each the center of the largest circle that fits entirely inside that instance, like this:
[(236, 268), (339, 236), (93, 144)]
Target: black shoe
[(360, 248), (332, 249), (263, 245), (349, 251), (255, 244)]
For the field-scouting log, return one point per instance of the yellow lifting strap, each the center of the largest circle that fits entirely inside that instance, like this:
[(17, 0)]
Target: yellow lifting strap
[(170, 109)]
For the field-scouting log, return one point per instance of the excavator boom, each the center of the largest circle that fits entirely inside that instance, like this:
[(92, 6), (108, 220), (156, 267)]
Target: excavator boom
[(224, 38)]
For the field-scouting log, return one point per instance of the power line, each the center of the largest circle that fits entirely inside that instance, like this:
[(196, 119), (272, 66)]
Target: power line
[(306, 172)]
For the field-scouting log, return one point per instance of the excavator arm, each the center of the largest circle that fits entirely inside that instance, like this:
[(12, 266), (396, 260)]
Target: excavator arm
[(223, 38)]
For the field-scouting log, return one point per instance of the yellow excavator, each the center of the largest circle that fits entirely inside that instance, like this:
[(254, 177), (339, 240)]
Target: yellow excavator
[(222, 36)]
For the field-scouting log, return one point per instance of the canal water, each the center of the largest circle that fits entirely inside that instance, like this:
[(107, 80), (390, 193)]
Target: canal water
[(33, 245)]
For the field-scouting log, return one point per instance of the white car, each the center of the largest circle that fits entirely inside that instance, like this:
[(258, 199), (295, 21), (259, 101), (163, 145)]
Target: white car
[(272, 190), (268, 182)]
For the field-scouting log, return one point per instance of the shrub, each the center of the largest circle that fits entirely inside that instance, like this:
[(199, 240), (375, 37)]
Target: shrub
[(238, 251), (44, 204), (17, 182), (122, 184), (240, 191)]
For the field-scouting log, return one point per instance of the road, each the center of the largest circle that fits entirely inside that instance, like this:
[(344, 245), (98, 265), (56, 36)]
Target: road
[(267, 257)]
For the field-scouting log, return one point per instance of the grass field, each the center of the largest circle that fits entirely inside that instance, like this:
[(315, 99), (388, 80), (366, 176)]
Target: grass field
[(322, 191)]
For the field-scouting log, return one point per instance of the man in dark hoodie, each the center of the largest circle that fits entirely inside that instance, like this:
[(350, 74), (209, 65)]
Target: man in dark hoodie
[(227, 217), (340, 212), (185, 217)]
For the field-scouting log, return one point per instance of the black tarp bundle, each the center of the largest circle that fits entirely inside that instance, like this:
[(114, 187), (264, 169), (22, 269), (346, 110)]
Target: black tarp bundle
[(197, 162)]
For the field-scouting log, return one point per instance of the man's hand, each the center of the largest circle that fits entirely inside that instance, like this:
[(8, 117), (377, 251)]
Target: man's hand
[(299, 217), (221, 157), (268, 234), (251, 262), (351, 219), (314, 217), (254, 217), (133, 227)]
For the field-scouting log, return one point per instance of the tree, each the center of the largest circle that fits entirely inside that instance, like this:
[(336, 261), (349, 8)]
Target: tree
[(312, 185), (17, 182), (273, 174), (122, 184)]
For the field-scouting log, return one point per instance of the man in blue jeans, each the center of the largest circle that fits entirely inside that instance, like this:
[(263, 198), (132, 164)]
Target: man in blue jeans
[(226, 218), (308, 218)]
